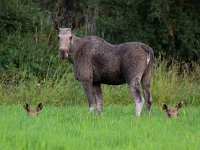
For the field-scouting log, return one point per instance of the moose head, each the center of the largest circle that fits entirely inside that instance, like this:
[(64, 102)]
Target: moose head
[(33, 112), (172, 112), (65, 38)]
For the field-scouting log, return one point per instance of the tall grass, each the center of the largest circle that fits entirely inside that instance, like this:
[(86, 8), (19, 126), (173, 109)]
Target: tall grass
[(176, 82), (60, 88)]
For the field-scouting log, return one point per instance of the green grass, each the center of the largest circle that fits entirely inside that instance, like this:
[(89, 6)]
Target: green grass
[(73, 127)]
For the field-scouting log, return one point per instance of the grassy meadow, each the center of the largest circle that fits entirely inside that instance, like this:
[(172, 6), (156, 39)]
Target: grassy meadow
[(74, 128), (64, 122), (30, 71)]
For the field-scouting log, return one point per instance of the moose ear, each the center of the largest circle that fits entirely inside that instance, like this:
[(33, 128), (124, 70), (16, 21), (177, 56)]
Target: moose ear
[(55, 25), (39, 106), (73, 26), (26, 106), (164, 106), (179, 105)]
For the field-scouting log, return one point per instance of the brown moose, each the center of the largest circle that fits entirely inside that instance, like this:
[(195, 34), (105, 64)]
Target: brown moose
[(172, 112), (98, 62), (33, 112)]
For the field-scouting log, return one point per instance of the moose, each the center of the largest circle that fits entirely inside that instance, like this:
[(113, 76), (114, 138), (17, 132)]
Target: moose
[(32, 112), (97, 62), (172, 112)]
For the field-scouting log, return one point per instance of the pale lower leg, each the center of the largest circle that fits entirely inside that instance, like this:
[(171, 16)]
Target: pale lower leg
[(136, 94)]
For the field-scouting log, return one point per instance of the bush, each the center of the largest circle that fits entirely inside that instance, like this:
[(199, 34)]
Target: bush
[(18, 15), (28, 48)]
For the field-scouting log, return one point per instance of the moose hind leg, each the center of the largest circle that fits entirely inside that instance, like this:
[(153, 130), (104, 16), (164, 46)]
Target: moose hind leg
[(147, 95), (98, 98), (134, 87), (89, 91)]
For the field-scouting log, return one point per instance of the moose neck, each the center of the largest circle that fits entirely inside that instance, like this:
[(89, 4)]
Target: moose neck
[(75, 45)]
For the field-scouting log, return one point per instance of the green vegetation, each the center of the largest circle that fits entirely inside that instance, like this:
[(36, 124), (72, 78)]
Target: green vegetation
[(74, 128), (61, 88), (28, 42), (30, 71)]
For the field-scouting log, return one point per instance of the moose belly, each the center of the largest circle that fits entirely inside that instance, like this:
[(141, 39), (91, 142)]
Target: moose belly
[(109, 78)]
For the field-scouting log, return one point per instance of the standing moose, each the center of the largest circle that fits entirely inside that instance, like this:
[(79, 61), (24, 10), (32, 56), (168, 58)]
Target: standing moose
[(98, 62)]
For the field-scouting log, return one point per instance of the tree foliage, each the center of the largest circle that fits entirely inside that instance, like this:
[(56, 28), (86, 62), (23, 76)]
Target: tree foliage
[(19, 16), (170, 27), (26, 47)]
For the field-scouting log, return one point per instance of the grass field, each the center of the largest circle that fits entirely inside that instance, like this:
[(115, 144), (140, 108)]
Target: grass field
[(73, 127), (65, 123)]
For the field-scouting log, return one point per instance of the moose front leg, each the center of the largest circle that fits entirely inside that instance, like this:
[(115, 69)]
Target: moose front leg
[(98, 97), (90, 93)]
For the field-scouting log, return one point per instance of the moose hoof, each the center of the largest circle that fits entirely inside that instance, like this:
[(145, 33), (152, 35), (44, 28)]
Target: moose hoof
[(139, 105), (92, 109)]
